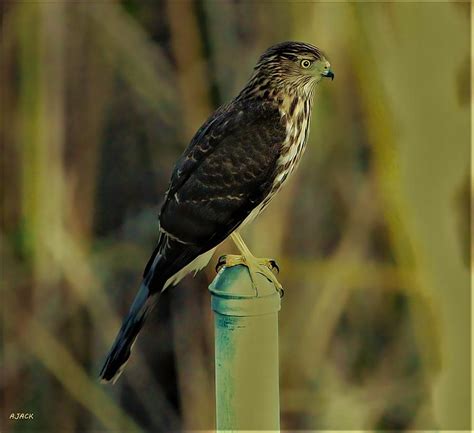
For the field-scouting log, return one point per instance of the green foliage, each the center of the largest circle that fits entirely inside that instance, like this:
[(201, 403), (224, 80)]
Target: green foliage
[(98, 100)]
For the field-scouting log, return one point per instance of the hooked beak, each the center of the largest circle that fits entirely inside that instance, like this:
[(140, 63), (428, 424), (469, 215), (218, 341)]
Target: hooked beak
[(328, 74)]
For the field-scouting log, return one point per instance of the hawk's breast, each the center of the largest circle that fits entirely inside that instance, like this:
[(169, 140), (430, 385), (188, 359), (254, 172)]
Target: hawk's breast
[(297, 117)]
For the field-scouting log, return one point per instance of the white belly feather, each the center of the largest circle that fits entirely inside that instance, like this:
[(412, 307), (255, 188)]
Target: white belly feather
[(195, 266)]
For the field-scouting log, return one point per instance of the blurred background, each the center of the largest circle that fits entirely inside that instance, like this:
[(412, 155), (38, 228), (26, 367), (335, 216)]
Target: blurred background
[(372, 234)]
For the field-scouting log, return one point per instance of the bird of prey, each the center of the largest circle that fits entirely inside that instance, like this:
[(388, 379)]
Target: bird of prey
[(234, 165)]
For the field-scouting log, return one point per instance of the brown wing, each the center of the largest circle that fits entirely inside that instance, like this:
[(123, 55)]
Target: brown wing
[(227, 170)]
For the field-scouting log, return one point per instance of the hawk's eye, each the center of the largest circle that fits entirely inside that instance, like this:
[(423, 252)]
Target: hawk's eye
[(305, 63)]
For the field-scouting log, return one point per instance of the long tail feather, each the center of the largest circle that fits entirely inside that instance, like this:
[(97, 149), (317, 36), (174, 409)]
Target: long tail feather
[(131, 326), (168, 259)]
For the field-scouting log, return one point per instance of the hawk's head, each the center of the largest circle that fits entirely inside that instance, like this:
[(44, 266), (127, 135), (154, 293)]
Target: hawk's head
[(296, 66)]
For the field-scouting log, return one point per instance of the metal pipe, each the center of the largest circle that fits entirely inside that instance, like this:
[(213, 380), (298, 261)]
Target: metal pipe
[(246, 351)]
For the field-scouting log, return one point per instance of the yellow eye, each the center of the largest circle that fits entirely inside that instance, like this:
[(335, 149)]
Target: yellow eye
[(305, 63)]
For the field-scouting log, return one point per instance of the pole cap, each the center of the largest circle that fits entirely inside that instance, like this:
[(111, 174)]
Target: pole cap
[(233, 293)]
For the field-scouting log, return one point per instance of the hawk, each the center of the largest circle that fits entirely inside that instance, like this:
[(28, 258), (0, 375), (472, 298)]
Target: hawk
[(234, 165)]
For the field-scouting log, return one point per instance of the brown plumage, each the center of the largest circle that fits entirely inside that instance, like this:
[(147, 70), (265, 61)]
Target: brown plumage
[(234, 165)]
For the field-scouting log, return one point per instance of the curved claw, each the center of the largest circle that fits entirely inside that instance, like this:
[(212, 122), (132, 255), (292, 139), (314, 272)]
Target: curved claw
[(220, 263), (274, 265)]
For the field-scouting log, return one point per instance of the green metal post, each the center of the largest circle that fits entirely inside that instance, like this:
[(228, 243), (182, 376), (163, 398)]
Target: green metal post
[(246, 351)]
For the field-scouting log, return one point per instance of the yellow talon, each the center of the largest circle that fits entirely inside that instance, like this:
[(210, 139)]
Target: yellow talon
[(254, 264)]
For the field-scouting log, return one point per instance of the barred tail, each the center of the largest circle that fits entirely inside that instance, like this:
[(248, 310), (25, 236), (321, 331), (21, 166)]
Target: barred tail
[(131, 326), (166, 267)]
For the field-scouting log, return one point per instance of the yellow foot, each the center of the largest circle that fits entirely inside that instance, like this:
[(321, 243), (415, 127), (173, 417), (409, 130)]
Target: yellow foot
[(265, 267)]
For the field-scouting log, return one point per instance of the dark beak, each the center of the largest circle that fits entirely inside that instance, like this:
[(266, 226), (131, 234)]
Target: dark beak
[(328, 74)]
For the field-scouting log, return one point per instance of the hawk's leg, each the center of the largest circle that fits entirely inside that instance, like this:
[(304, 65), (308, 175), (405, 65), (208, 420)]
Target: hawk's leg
[(254, 264)]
